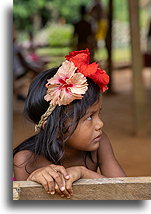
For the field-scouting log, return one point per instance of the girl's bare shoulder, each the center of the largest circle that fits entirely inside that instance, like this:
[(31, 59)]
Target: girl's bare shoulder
[(27, 157), (25, 162), (22, 157)]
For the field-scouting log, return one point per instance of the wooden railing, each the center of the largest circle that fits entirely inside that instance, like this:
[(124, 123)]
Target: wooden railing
[(127, 188)]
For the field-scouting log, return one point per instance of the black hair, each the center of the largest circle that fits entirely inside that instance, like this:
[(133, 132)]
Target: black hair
[(60, 125)]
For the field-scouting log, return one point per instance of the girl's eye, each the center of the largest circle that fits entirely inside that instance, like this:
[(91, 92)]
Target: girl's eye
[(89, 118)]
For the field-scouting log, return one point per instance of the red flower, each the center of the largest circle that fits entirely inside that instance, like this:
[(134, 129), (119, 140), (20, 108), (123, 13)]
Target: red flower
[(81, 60), (82, 56), (100, 78)]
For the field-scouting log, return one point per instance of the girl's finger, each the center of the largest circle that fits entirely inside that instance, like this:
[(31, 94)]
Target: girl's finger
[(65, 192), (58, 191), (41, 180), (69, 186), (57, 178), (44, 183), (62, 170), (46, 180), (50, 182)]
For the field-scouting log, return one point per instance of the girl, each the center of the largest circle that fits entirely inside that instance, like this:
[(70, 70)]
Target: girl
[(65, 104)]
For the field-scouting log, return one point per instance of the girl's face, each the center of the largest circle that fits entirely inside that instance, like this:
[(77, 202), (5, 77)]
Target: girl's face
[(87, 135)]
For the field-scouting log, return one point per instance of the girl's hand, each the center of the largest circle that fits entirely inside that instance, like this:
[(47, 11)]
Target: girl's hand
[(48, 176), (66, 193), (75, 174)]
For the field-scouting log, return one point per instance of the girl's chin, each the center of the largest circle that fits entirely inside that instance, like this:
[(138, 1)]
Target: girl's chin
[(93, 146)]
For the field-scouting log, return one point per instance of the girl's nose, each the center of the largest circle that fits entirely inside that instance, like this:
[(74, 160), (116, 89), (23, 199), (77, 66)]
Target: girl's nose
[(99, 124)]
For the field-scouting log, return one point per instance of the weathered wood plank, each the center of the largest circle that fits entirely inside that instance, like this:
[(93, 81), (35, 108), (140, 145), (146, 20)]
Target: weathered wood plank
[(129, 188), (16, 190), (137, 67)]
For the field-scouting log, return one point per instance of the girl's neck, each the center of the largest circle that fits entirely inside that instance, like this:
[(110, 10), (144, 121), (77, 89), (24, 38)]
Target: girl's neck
[(72, 155)]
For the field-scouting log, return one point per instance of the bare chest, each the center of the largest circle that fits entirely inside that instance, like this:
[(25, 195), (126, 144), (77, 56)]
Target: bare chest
[(89, 162)]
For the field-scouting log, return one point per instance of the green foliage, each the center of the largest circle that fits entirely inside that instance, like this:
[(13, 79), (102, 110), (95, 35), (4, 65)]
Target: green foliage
[(60, 35), (23, 12), (120, 10), (69, 9)]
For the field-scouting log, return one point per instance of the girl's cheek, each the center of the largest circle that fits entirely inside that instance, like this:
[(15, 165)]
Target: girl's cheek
[(88, 124)]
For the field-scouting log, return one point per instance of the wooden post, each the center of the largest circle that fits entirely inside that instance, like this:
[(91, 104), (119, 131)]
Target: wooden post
[(137, 67), (126, 188), (109, 43)]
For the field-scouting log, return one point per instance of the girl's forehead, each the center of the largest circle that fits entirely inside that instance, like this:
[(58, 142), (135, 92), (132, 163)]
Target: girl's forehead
[(97, 105)]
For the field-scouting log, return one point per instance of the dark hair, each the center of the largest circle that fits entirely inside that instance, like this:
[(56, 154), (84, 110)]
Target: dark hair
[(60, 125)]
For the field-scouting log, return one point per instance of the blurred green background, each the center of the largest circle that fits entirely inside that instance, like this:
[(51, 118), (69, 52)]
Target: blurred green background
[(50, 21)]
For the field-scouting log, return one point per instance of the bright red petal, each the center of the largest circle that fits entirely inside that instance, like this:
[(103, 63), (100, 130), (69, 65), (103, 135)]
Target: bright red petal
[(81, 60), (103, 87), (100, 77), (88, 70), (78, 57)]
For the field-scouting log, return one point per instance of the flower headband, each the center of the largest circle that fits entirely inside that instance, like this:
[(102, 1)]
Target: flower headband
[(70, 83)]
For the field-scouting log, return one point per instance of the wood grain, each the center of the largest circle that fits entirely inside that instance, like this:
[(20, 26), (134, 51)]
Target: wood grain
[(129, 188)]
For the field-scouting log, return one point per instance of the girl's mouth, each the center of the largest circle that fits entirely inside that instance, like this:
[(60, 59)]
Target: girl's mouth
[(97, 138)]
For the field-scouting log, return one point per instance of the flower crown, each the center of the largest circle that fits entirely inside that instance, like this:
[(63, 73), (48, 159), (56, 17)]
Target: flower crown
[(70, 83)]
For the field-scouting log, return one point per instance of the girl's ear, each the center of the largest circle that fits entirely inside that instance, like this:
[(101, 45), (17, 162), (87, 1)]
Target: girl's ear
[(43, 125)]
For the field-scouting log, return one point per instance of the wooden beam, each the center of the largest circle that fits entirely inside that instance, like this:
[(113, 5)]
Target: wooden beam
[(109, 43), (137, 67), (127, 188)]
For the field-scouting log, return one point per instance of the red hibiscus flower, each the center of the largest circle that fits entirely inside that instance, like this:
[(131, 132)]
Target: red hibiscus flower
[(81, 60), (100, 78), (82, 56)]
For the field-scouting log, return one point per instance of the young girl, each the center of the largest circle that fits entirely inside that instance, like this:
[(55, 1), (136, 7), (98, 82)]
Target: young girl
[(65, 104)]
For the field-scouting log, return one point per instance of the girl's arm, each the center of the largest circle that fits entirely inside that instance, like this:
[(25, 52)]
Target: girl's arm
[(109, 166), (45, 173)]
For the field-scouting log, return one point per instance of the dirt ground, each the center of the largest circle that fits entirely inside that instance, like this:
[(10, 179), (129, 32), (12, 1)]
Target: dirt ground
[(132, 152)]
